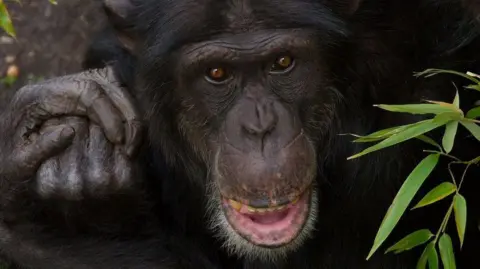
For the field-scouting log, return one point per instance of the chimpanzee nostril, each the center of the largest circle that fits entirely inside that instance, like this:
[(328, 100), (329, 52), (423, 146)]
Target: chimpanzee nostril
[(264, 121)]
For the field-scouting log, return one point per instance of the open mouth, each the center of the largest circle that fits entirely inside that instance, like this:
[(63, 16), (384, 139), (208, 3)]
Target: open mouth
[(272, 226)]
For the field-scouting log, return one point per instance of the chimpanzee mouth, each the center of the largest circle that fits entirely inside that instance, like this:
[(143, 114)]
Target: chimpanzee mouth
[(270, 227)]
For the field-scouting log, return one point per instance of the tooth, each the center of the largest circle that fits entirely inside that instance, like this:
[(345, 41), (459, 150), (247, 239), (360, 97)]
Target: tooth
[(235, 205), (251, 209), (296, 200), (280, 207), (261, 210)]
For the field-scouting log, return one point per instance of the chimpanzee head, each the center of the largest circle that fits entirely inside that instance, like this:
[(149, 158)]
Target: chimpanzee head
[(239, 92)]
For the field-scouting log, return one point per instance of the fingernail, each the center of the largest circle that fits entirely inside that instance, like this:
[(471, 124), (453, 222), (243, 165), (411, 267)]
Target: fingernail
[(117, 138), (130, 150), (67, 131)]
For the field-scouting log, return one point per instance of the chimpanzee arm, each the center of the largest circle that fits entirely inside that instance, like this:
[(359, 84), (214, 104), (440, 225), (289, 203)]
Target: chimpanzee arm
[(69, 142), (30, 248)]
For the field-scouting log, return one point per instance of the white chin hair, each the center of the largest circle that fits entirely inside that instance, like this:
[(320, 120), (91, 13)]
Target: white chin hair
[(237, 245)]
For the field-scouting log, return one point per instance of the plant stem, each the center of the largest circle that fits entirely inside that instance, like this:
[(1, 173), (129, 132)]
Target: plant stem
[(444, 223), (451, 175), (463, 177), (444, 154)]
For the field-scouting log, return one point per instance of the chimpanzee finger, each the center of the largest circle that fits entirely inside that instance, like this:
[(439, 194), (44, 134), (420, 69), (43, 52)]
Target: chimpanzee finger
[(125, 103), (99, 160), (72, 96), (123, 169), (46, 180), (99, 106), (47, 174), (70, 179), (43, 147)]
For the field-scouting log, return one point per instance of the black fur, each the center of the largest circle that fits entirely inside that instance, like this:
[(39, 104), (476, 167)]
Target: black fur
[(373, 55)]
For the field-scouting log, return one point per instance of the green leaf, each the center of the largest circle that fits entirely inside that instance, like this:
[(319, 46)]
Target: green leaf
[(460, 209), (53, 2), (385, 133), (418, 108), (430, 141), (432, 72), (5, 20), (446, 252), (436, 194), (449, 135), (456, 100), (474, 113), (402, 136), (448, 116), (410, 241), (403, 198), (379, 135), (472, 127), (422, 261), (473, 87), (433, 258), (474, 161), (472, 74)]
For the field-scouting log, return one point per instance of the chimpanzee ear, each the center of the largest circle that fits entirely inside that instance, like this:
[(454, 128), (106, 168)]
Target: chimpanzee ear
[(117, 12)]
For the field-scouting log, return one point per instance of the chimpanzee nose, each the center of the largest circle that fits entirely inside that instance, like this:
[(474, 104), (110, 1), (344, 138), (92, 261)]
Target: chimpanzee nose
[(263, 122)]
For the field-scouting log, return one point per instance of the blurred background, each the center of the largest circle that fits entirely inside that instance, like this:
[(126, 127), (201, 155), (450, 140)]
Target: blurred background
[(51, 39)]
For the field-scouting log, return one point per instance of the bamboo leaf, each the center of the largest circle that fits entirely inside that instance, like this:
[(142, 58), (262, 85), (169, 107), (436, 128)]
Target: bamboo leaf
[(436, 194), (422, 261), (473, 113), (473, 87), (419, 108), (5, 20), (460, 209), (474, 161), (410, 241), (449, 135), (385, 133), (448, 116), (432, 72), (456, 100), (430, 141), (472, 127), (432, 258), (446, 252), (402, 136), (403, 198)]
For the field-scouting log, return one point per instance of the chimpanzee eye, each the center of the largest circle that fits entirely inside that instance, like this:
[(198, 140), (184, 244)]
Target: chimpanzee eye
[(282, 64), (217, 75)]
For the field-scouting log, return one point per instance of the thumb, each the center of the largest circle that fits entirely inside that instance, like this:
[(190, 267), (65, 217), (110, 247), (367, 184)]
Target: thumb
[(48, 144)]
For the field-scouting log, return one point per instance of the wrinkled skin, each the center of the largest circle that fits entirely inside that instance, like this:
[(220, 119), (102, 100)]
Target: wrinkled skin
[(75, 133)]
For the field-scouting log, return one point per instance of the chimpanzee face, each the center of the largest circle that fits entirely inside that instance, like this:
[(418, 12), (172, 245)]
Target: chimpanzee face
[(244, 89), (257, 94)]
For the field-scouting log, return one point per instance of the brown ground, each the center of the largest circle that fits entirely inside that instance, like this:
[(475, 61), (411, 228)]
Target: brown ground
[(50, 39)]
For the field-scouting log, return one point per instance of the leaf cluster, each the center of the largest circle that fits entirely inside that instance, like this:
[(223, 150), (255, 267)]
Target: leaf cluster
[(450, 116), (5, 19)]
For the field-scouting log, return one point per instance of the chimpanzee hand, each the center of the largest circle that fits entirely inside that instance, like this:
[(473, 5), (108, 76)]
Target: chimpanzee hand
[(57, 131)]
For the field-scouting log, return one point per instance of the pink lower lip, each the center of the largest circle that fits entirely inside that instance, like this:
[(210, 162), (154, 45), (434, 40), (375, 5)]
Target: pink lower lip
[(270, 229)]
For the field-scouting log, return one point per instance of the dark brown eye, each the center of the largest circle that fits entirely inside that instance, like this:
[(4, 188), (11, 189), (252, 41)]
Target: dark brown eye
[(282, 64), (217, 75)]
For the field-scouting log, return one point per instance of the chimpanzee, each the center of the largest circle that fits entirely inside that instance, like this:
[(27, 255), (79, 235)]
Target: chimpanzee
[(206, 134)]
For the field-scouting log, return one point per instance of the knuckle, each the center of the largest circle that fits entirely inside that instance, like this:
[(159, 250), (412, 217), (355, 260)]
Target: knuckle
[(72, 186), (89, 91), (124, 176), (99, 179), (47, 179)]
